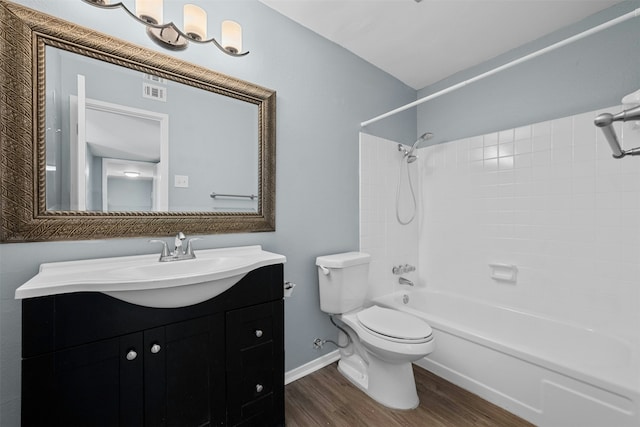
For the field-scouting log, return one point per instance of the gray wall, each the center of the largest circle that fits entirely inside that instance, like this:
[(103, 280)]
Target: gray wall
[(126, 194), (324, 92), (589, 74)]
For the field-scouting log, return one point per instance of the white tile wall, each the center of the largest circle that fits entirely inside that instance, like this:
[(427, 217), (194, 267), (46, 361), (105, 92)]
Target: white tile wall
[(388, 242), (548, 198)]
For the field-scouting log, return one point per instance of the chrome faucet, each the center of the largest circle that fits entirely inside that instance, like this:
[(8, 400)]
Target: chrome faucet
[(179, 251), (404, 281)]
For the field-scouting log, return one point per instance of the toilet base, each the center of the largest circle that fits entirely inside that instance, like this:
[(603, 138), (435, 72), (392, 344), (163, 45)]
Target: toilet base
[(354, 373), (392, 385)]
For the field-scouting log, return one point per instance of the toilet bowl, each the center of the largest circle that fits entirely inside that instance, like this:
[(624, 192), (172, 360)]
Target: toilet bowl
[(392, 335), (387, 351), (381, 344)]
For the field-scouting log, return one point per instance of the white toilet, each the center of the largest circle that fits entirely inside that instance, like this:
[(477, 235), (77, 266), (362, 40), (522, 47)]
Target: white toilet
[(382, 342)]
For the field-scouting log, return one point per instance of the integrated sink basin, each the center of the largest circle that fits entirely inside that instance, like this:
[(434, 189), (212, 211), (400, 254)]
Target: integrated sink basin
[(145, 281)]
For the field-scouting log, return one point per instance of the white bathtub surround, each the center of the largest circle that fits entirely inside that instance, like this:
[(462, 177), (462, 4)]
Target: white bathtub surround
[(544, 370), (388, 242), (549, 199)]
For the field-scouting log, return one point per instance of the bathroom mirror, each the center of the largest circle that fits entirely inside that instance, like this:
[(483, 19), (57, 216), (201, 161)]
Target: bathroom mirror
[(197, 153)]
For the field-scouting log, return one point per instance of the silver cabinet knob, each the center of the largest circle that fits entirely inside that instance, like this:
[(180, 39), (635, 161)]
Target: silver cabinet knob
[(131, 355), (155, 348), (258, 333), (259, 388)]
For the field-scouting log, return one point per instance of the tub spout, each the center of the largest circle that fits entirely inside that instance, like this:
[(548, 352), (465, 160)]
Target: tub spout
[(404, 281)]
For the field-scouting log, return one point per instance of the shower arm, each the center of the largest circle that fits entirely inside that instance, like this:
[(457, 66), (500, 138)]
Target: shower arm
[(605, 122)]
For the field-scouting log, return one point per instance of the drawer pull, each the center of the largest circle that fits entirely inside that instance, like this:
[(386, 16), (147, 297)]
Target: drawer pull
[(155, 348), (258, 333), (131, 355), (259, 388)]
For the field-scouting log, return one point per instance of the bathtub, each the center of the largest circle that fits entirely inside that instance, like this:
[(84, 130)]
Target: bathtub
[(545, 371)]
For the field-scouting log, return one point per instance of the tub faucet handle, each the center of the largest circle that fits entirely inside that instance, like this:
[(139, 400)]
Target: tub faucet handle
[(401, 269)]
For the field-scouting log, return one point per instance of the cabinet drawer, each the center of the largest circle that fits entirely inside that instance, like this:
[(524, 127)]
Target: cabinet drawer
[(253, 375), (255, 386), (252, 359), (251, 326), (258, 412), (251, 381), (248, 394)]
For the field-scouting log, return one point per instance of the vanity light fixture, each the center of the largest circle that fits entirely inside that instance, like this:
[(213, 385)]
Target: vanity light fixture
[(150, 13)]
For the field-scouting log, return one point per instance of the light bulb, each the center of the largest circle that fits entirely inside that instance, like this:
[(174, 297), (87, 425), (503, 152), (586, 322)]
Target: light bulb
[(231, 36), (195, 22), (149, 10)]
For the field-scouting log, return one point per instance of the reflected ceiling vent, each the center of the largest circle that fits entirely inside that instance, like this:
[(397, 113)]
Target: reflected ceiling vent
[(155, 79), (159, 93)]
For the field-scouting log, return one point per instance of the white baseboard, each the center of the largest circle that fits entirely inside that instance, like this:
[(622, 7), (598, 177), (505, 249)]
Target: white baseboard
[(309, 367)]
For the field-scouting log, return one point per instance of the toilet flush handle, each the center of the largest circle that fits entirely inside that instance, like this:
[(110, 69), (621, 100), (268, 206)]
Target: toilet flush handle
[(325, 270)]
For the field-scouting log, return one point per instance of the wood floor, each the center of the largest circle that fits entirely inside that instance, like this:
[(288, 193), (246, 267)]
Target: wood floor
[(326, 398)]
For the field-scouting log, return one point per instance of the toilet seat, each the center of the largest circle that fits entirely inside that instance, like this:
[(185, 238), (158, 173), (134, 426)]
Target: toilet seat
[(394, 325)]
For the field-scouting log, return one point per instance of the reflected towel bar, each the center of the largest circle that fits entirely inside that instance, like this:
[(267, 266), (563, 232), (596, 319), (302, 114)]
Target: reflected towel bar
[(242, 196)]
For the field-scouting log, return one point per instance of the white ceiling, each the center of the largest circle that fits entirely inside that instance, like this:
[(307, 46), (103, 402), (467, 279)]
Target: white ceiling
[(121, 136), (422, 43)]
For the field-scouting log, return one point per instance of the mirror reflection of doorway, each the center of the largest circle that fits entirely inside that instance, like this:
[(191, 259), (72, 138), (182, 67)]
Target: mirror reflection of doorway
[(128, 185), (119, 156)]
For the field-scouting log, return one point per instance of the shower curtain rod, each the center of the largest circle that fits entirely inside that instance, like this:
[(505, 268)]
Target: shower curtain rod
[(603, 26)]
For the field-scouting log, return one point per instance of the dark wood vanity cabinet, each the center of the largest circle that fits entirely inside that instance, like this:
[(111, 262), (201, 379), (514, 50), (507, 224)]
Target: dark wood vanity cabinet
[(92, 360)]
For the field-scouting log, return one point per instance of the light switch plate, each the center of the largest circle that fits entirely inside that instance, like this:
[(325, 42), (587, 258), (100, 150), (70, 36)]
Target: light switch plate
[(181, 181)]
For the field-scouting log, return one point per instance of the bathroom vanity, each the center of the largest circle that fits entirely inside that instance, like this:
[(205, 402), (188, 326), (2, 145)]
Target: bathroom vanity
[(90, 359)]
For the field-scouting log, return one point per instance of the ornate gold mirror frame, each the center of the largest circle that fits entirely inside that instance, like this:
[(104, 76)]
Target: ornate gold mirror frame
[(24, 34)]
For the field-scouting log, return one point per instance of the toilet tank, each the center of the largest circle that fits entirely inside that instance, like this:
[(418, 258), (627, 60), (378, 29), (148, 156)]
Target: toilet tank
[(343, 281)]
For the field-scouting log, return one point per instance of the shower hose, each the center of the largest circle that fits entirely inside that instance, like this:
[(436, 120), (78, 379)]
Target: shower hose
[(413, 194)]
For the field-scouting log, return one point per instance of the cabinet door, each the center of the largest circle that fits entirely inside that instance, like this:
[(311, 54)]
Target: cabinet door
[(184, 373), (89, 385)]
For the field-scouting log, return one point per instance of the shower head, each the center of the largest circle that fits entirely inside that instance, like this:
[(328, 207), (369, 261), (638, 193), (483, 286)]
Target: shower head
[(424, 137), (408, 154)]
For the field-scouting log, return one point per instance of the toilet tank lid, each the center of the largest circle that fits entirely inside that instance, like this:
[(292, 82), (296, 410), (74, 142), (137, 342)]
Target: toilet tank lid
[(346, 259)]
